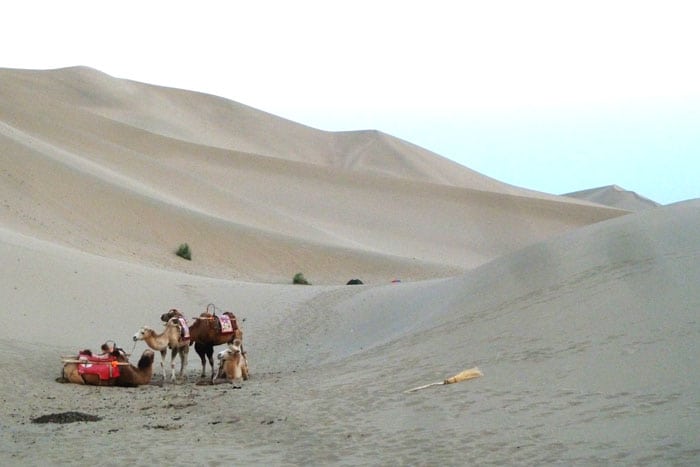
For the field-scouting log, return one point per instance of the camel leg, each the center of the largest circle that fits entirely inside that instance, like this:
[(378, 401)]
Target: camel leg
[(244, 367), (163, 354), (210, 356), (173, 354), (217, 375), (201, 351), (183, 360)]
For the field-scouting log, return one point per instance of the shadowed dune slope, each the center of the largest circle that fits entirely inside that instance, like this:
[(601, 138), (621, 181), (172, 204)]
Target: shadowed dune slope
[(627, 278), (588, 343)]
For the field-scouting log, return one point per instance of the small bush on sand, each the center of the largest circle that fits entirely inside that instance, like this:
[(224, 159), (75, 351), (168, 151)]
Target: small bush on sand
[(300, 279), (184, 252)]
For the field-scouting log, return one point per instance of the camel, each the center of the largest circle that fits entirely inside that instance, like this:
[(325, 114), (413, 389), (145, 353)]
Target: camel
[(233, 364), (122, 373), (168, 339), (205, 333)]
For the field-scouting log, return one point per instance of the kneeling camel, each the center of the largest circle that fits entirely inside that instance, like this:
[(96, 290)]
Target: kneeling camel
[(233, 363), (125, 375)]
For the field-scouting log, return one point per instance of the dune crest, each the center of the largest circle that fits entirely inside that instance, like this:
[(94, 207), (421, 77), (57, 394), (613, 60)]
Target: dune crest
[(615, 196)]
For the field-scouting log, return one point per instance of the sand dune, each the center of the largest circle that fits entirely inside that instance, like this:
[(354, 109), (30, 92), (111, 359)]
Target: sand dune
[(93, 165), (615, 196), (212, 121), (581, 316)]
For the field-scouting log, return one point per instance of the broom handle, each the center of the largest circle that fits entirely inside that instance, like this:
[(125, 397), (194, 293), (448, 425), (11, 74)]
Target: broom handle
[(439, 383)]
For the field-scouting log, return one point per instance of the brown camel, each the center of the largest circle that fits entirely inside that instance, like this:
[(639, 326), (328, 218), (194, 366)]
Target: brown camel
[(171, 339), (205, 333), (233, 364), (118, 370)]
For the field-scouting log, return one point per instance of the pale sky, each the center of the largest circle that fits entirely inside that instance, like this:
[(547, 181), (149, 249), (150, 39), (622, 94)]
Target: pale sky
[(555, 96)]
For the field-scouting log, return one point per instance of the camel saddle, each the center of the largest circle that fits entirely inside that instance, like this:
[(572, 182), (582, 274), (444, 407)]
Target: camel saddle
[(104, 366), (184, 329), (226, 324)]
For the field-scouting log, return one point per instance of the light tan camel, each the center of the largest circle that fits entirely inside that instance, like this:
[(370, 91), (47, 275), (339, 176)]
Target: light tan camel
[(125, 374), (233, 364), (168, 339)]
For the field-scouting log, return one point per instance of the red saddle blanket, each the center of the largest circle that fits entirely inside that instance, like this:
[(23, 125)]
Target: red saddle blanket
[(105, 367)]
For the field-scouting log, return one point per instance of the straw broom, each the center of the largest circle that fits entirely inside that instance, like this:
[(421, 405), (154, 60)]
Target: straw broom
[(463, 376)]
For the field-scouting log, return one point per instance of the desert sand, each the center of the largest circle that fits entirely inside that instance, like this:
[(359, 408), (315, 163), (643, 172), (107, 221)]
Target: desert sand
[(582, 316)]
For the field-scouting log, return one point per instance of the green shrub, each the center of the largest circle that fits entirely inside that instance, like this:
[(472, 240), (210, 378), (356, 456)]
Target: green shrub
[(300, 279), (184, 252)]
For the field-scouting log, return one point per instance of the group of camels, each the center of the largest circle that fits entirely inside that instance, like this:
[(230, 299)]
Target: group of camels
[(112, 368)]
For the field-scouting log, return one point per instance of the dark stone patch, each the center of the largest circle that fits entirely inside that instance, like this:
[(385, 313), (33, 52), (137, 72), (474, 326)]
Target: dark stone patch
[(180, 405), (164, 427), (66, 417)]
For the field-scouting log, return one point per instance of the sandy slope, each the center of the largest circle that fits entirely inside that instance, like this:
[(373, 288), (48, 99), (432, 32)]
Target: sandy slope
[(583, 321)]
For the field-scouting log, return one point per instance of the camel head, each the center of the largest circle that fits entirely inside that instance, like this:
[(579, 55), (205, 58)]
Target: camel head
[(236, 345), (142, 333), (234, 348), (172, 313), (224, 355)]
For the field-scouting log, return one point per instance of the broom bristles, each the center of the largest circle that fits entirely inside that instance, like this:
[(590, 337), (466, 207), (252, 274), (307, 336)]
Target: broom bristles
[(465, 375)]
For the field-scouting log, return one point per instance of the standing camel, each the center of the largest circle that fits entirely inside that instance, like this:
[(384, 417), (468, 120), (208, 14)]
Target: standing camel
[(205, 332), (168, 339)]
